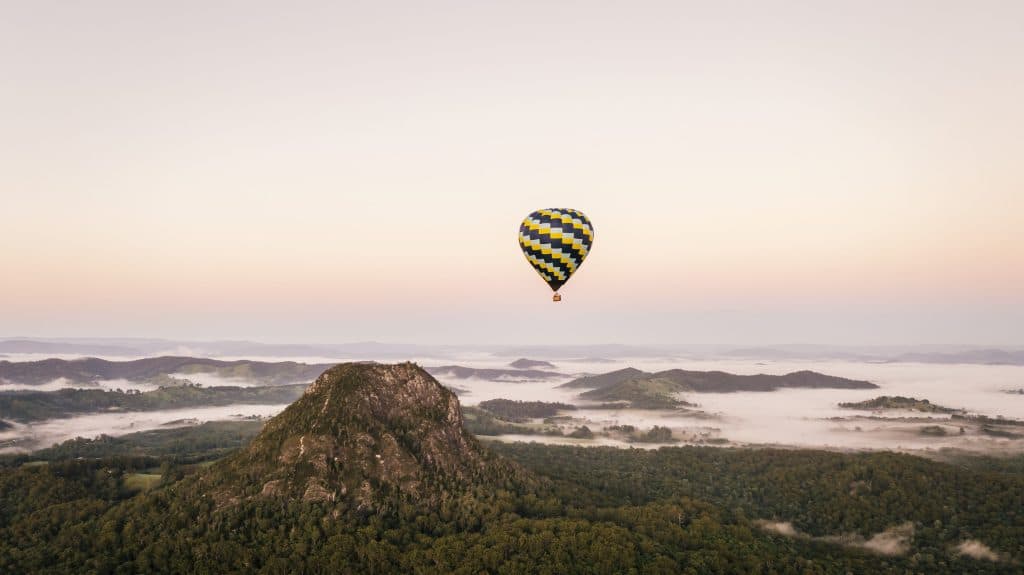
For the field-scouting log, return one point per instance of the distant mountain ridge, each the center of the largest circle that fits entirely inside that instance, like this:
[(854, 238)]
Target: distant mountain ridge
[(29, 406), (91, 369), (719, 381), (148, 347), (493, 374)]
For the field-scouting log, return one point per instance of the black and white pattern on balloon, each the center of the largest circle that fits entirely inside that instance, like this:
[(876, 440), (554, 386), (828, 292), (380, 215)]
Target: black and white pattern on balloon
[(555, 242)]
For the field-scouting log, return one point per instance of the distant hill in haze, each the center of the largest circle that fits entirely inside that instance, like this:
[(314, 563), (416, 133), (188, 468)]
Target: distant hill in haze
[(29, 406), (148, 347), (523, 363), (493, 374), (89, 370), (899, 402), (607, 379), (973, 356), (137, 347), (720, 381), (155, 370), (641, 393), (58, 347)]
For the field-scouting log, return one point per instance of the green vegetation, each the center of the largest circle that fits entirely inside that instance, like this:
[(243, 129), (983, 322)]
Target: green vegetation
[(656, 434), (604, 510), (370, 472), (721, 382), (933, 430), (999, 432), (26, 406), (481, 422), (1012, 464), (606, 379), (492, 374), (142, 481), (610, 406), (521, 411), (654, 393), (898, 402), (986, 420), (210, 440), (154, 369), (524, 363), (582, 432)]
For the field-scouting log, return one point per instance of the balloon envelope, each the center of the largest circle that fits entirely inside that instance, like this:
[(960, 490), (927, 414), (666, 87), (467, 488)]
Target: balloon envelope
[(555, 242)]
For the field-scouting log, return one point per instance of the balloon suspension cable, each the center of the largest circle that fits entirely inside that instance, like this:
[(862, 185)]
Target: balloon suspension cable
[(556, 297)]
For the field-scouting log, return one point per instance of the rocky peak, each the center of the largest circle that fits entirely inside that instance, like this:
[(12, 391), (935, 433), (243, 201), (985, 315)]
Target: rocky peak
[(361, 436)]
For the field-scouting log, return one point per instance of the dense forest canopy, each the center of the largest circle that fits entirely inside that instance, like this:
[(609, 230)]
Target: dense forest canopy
[(375, 469), (601, 510)]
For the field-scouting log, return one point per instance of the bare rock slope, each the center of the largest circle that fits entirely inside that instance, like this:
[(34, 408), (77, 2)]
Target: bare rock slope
[(364, 436)]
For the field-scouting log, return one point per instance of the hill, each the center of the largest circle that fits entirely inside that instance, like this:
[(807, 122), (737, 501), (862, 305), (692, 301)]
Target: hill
[(28, 406), (720, 381), (607, 379), (370, 471), (91, 369), (899, 402), (523, 363), (156, 370), (363, 437), (492, 374), (641, 393), (520, 411)]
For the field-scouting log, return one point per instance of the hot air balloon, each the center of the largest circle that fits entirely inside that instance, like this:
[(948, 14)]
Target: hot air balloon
[(555, 242)]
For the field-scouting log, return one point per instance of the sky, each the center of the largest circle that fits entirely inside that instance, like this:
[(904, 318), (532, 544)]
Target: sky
[(756, 172)]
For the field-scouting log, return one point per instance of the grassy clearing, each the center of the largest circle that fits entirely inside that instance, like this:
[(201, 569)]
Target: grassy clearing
[(141, 481)]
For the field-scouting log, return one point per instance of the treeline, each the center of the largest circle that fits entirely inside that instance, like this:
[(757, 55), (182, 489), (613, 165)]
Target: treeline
[(601, 510), (898, 402), (93, 369), (209, 440), (675, 510), (520, 411), (27, 406), (482, 422), (821, 493)]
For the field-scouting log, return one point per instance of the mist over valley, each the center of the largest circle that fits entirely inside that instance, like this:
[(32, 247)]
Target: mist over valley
[(702, 401)]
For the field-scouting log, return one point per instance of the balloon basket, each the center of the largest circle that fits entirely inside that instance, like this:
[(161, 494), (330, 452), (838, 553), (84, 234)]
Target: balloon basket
[(556, 297)]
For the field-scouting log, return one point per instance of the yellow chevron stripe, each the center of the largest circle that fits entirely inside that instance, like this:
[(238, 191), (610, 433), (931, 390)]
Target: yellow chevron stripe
[(576, 224), (576, 246), (546, 250), (547, 266), (543, 265)]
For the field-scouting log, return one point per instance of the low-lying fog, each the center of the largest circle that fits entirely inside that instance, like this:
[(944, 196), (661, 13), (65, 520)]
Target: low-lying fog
[(64, 383), (796, 417), (46, 433)]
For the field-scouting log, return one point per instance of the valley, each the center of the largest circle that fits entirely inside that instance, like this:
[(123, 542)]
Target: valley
[(374, 469), (732, 403)]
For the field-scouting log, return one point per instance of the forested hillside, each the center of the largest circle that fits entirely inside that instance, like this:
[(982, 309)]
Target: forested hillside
[(371, 471)]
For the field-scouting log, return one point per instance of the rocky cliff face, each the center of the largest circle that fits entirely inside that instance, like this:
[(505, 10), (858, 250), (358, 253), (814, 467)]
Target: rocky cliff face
[(362, 436)]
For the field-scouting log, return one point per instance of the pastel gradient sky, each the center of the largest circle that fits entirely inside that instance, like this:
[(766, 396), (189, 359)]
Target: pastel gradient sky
[(757, 172)]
